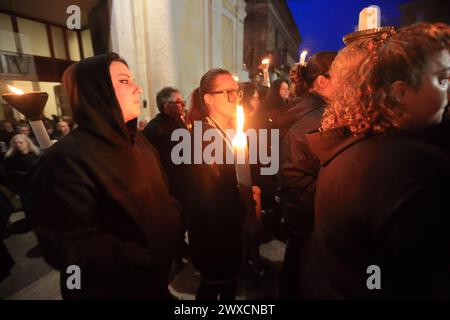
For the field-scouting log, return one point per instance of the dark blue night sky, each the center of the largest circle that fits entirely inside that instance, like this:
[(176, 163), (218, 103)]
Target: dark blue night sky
[(323, 23)]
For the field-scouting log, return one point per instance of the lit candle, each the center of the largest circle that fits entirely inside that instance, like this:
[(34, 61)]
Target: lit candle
[(369, 18), (241, 151), (265, 63), (303, 57), (31, 104)]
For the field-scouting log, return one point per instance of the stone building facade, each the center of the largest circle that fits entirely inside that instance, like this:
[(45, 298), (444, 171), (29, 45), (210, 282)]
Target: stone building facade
[(270, 30), (165, 42)]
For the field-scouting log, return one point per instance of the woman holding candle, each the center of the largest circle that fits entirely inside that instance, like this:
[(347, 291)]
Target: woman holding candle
[(100, 201), (382, 215), (216, 216)]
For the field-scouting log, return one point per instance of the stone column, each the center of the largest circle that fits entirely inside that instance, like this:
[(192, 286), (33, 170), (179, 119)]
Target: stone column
[(162, 68), (241, 14)]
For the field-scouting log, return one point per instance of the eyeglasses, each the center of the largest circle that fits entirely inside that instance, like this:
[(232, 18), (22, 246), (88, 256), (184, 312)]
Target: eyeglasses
[(232, 94), (181, 103)]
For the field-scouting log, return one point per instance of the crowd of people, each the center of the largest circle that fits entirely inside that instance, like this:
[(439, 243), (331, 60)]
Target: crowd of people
[(364, 178)]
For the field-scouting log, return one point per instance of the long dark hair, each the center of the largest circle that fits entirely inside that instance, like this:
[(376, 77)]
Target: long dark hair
[(198, 109), (273, 99), (248, 90), (303, 76)]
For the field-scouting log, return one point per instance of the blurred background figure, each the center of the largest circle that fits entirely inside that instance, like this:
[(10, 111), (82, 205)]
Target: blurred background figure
[(277, 96), (62, 129), (158, 132), (20, 159), (141, 124)]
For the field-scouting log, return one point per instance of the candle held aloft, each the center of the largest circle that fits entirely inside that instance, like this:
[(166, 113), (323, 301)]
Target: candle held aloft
[(303, 57), (31, 105), (369, 18), (265, 67)]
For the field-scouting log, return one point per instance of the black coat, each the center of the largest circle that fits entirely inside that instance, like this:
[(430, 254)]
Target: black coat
[(158, 132), (299, 167), (101, 202), (380, 200), (215, 220), (18, 166)]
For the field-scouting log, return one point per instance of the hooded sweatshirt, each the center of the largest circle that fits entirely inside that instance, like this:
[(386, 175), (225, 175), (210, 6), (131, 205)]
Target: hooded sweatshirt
[(99, 199)]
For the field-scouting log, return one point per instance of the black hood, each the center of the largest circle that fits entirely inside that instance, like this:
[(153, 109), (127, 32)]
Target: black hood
[(94, 103)]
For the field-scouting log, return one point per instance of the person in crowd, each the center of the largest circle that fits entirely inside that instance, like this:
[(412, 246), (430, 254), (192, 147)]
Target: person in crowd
[(158, 132), (218, 209), (250, 100), (277, 96), (381, 206), (6, 208), (24, 128), (252, 105), (263, 91), (142, 123), (100, 201), (20, 159), (62, 130), (6, 132), (299, 166)]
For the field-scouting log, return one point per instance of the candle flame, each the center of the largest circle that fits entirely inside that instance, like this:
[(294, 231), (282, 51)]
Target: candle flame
[(265, 61), (236, 78), (303, 57), (240, 139), (15, 90)]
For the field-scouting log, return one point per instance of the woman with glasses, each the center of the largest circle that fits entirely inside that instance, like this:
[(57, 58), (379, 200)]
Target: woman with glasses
[(216, 216), (298, 165)]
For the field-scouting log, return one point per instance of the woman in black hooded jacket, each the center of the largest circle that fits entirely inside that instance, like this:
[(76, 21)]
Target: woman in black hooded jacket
[(99, 199)]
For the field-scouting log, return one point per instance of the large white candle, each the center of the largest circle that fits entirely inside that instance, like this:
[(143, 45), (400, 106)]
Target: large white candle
[(303, 57), (265, 62), (369, 18), (241, 150)]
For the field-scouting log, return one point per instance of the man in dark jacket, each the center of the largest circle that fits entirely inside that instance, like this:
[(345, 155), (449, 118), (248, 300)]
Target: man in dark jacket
[(158, 132)]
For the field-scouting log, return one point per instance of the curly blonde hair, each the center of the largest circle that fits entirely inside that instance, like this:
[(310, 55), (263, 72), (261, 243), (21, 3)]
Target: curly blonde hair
[(363, 72)]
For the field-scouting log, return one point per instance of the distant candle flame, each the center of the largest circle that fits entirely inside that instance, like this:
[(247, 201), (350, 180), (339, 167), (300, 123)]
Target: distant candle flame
[(240, 139), (303, 57), (236, 78), (15, 90), (265, 61)]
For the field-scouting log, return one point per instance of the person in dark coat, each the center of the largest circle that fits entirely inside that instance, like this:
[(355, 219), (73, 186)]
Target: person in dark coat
[(20, 160), (158, 132), (278, 95), (99, 198), (382, 216), (299, 166), (217, 213)]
